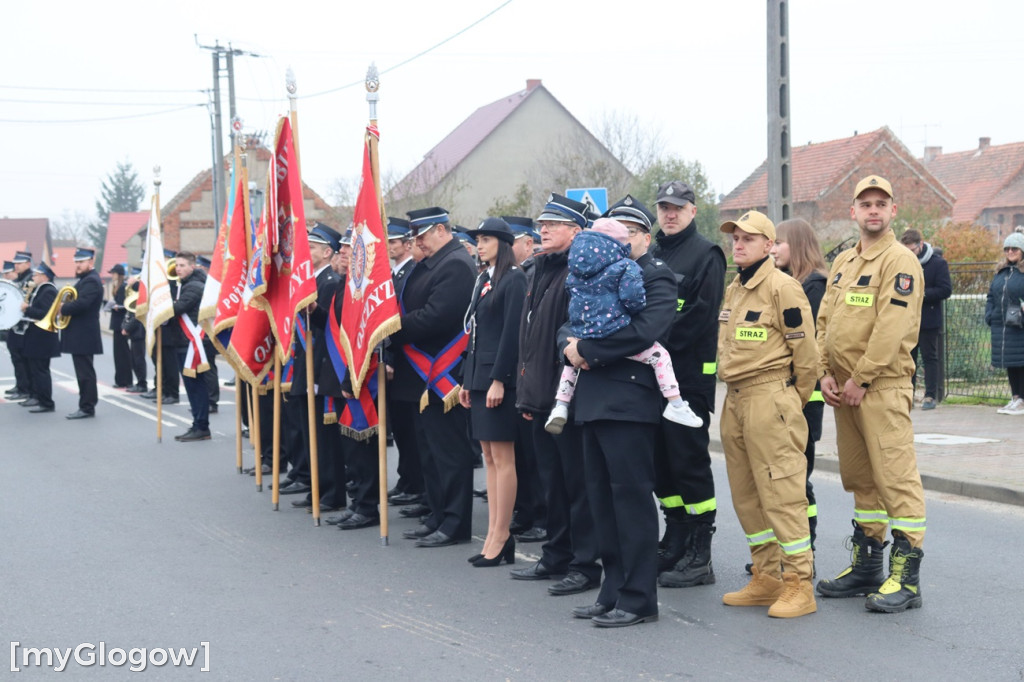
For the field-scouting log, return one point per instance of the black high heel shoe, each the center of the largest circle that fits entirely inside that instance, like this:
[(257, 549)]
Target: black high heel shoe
[(507, 554), (474, 558)]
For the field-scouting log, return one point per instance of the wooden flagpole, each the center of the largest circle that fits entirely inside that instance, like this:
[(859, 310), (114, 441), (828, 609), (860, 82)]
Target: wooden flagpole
[(275, 494), (239, 387), (372, 85), (314, 449), (254, 432)]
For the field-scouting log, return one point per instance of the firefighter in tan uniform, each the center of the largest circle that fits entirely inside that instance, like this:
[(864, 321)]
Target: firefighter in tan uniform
[(769, 360), (867, 325)]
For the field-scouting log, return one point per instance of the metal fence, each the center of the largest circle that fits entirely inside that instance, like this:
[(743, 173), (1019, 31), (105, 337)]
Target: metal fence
[(965, 348)]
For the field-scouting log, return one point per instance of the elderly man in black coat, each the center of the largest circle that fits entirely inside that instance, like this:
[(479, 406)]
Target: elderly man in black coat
[(81, 338), (434, 302)]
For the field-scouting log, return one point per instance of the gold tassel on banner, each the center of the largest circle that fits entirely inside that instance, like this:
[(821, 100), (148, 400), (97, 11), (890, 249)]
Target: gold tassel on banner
[(330, 417)]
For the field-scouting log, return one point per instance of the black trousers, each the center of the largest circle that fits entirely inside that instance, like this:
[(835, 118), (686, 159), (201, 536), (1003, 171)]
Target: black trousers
[(1016, 377), (619, 460), (330, 456), (295, 436), (447, 461), (22, 377), (682, 465), (122, 359), (361, 457), (211, 376), (530, 508), (195, 389), (170, 372), (572, 537), (85, 372), (928, 347), (402, 415), (42, 383), (138, 356)]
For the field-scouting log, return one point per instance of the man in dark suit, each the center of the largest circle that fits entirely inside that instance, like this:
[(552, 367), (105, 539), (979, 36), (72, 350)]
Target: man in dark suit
[(191, 283), (119, 343), (409, 488), (434, 301), (22, 389), (133, 330), (40, 345), (210, 376), (619, 405), (324, 242), (81, 338)]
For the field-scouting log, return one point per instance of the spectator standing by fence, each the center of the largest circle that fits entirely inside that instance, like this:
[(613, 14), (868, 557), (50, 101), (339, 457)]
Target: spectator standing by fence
[(937, 288), (1004, 314)]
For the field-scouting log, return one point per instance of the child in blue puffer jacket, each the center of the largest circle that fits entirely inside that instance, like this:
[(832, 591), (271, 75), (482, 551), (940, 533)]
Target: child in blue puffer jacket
[(605, 288)]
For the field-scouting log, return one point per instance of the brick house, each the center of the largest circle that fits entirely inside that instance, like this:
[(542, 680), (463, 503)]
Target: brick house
[(825, 174), (988, 183), (527, 139), (187, 219)]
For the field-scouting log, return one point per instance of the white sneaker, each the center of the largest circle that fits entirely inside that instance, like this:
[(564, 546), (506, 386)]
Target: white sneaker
[(556, 422), (1015, 406), (682, 415)]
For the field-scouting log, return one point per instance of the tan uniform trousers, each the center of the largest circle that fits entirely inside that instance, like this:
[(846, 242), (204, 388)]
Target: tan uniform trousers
[(878, 463), (763, 435)]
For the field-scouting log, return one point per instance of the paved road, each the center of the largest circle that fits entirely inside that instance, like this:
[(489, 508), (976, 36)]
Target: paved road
[(109, 536)]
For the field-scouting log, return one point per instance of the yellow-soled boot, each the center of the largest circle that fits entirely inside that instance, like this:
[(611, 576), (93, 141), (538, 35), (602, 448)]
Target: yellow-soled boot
[(762, 590), (797, 598)]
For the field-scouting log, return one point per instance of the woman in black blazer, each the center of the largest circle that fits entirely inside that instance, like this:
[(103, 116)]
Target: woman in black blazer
[(489, 380)]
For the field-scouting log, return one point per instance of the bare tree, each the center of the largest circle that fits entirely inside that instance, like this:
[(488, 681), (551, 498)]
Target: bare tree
[(638, 145), (71, 226)]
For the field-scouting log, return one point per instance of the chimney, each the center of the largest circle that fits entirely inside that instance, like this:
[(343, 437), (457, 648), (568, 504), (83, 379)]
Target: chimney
[(930, 153), (984, 143), (531, 83)]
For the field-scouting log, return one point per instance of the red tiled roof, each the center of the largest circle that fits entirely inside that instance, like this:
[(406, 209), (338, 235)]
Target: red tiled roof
[(120, 228), (64, 262), (978, 176), (34, 232), (457, 145), (8, 249), (816, 168)]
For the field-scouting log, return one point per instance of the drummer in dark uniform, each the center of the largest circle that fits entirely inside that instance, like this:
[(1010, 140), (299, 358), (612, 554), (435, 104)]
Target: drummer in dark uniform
[(22, 263)]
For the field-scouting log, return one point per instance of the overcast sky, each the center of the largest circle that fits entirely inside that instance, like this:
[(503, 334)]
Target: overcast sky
[(936, 72)]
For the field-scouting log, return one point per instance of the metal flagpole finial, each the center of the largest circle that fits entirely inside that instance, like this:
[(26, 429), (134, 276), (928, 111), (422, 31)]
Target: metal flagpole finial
[(156, 176), (372, 85), (290, 85)]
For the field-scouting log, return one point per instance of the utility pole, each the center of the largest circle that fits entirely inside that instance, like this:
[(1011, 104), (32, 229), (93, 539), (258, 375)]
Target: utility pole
[(779, 186), (219, 182)]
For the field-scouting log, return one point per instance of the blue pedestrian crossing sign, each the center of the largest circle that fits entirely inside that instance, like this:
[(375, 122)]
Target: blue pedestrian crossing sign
[(595, 197)]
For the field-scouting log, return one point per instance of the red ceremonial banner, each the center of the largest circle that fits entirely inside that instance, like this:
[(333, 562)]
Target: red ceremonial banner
[(371, 311)]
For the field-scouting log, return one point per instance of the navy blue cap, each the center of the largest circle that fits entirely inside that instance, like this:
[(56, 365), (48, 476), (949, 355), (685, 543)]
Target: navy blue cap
[(494, 227), (426, 217), (22, 257), (464, 237), (169, 253), (563, 209), (43, 269), (398, 228), (118, 269), (203, 262), (346, 239), (8, 266), (630, 210), (136, 272), (325, 234), (83, 253)]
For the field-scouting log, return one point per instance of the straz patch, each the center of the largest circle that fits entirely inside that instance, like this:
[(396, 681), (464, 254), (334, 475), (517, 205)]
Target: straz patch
[(724, 315), (860, 300), (794, 335), (904, 284), (751, 334)]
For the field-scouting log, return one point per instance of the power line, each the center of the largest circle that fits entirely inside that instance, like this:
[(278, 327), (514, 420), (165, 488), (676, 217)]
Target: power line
[(133, 91), (100, 120), (101, 104), (414, 57)]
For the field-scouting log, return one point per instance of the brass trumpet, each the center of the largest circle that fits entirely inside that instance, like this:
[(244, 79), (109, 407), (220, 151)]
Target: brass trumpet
[(172, 269), (52, 321)]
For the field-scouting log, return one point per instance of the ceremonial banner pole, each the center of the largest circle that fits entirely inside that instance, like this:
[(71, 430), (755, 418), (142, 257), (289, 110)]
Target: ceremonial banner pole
[(254, 432), (275, 494), (314, 450), (238, 423), (372, 85), (159, 337)]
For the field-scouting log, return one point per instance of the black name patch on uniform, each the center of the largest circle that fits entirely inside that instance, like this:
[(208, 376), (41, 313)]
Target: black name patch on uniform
[(752, 316), (794, 335), (864, 280), (835, 280), (904, 284), (792, 317), (896, 301)]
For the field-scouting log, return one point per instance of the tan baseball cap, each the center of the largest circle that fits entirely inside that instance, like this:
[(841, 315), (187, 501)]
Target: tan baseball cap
[(752, 222), (873, 182)]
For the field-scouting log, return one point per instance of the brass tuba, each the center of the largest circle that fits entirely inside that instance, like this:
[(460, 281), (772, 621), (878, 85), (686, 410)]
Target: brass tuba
[(172, 269), (52, 321), (131, 300)]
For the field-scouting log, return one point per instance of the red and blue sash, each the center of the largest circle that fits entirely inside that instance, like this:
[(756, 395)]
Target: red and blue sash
[(436, 370), (358, 418)]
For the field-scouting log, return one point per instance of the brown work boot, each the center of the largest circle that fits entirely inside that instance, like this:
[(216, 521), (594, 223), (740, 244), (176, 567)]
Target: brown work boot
[(762, 590), (796, 600)]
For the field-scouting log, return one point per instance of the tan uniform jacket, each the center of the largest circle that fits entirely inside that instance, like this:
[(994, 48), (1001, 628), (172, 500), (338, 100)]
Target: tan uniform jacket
[(766, 325), (870, 314)]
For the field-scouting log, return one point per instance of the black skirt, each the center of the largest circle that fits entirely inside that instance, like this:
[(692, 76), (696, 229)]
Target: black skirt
[(493, 424)]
